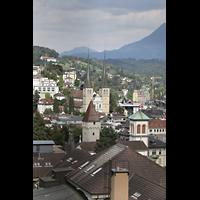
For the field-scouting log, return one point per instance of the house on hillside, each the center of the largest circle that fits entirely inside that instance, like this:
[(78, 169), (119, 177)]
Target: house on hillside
[(43, 104)]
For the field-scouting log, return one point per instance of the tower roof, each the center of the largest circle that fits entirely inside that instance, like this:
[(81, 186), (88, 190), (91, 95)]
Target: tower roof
[(104, 81), (87, 82), (91, 114), (139, 115)]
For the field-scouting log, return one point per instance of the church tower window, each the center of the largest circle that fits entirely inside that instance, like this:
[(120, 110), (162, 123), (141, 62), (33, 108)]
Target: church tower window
[(143, 128), (138, 128)]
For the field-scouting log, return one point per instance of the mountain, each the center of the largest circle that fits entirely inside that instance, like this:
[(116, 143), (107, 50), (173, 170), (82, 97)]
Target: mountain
[(77, 50), (151, 47)]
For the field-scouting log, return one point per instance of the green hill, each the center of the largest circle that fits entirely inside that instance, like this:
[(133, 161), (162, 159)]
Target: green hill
[(43, 51)]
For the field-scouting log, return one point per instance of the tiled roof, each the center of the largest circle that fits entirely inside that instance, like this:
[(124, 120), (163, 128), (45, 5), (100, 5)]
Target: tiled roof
[(157, 123), (139, 115), (87, 146), (74, 159), (91, 177), (46, 101), (146, 189), (136, 145), (77, 94), (42, 169), (91, 115)]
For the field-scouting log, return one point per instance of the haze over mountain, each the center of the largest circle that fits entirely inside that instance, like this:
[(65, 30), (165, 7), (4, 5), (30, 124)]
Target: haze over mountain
[(150, 47)]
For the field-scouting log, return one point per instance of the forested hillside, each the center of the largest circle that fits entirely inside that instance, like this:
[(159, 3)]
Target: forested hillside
[(43, 51), (144, 67)]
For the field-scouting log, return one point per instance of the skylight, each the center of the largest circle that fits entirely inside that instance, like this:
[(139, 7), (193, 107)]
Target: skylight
[(69, 159), (96, 171), (84, 165), (88, 169), (136, 195), (75, 161)]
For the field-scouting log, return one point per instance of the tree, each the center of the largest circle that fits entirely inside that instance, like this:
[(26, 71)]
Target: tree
[(66, 109), (36, 97), (48, 111), (58, 137), (56, 106), (112, 102), (60, 83), (39, 132), (76, 83), (47, 95), (107, 139), (67, 91), (119, 110), (71, 104)]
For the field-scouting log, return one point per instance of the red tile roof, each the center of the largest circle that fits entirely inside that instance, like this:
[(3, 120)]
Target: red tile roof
[(47, 101), (77, 94), (91, 114), (157, 123)]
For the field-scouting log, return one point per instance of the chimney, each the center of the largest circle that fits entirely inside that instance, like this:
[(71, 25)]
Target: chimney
[(71, 141), (119, 184)]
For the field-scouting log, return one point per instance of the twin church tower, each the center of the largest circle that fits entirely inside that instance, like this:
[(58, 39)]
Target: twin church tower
[(101, 101)]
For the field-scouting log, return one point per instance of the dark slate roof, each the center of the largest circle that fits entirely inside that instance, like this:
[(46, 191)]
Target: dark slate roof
[(93, 181), (104, 81), (91, 115), (155, 143), (73, 159), (57, 193), (87, 82), (146, 189), (42, 169)]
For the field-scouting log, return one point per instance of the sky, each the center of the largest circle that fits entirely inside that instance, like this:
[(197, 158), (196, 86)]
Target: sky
[(100, 24)]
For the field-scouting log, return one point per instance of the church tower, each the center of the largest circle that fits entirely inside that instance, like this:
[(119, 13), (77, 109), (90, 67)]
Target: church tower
[(104, 90), (138, 128), (91, 125), (87, 88)]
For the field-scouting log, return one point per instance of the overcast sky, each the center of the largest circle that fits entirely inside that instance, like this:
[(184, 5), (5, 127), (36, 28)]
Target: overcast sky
[(65, 24)]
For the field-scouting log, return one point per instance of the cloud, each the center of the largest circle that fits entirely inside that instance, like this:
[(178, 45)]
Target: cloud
[(67, 24)]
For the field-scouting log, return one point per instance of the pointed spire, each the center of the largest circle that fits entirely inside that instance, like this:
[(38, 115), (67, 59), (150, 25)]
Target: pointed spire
[(104, 81), (87, 82)]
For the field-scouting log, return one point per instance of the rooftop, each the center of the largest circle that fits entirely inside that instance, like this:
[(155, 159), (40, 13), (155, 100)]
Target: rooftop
[(139, 115), (91, 114)]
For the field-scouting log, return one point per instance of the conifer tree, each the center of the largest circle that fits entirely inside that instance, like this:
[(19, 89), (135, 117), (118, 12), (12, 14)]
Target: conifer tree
[(56, 106), (39, 132)]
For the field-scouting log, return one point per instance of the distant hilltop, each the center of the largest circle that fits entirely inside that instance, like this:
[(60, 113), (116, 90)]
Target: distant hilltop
[(151, 47)]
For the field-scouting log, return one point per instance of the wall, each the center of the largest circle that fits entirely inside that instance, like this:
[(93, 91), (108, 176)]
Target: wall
[(88, 128), (43, 148)]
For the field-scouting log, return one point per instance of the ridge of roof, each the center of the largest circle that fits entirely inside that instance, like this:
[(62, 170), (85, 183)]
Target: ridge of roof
[(139, 115), (91, 114)]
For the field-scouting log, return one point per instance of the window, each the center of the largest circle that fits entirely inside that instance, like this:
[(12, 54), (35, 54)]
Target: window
[(88, 169), (138, 129), (93, 133), (143, 128), (48, 89), (99, 105), (43, 89), (160, 152), (154, 152), (96, 171), (94, 123), (52, 88), (84, 165)]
